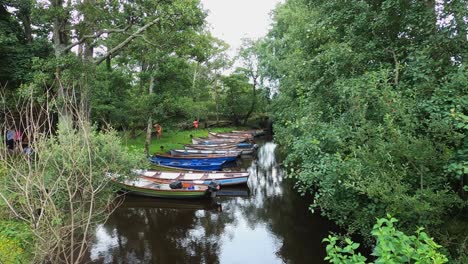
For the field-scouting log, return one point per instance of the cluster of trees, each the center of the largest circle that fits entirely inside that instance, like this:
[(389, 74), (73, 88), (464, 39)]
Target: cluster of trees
[(372, 109), (125, 60), (71, 68)]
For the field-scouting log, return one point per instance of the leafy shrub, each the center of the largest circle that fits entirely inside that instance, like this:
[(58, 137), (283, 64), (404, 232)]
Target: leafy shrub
[(62, 191), (15, 240), (392, 246)]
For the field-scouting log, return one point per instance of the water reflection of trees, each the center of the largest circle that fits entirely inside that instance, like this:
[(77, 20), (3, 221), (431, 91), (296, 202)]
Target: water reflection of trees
[(275, 203), (164, 235), (191, 234)]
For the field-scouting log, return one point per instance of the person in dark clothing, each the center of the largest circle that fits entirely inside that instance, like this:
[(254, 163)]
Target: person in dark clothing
[(10, 142)]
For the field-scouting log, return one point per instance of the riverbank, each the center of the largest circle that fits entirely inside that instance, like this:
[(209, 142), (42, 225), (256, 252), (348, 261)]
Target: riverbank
[(171, 139)]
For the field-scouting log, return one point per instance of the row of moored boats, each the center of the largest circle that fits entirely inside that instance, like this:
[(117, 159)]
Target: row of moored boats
[(196, 170)]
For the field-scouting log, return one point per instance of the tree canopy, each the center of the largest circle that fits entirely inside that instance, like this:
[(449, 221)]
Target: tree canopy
[(372, 107)]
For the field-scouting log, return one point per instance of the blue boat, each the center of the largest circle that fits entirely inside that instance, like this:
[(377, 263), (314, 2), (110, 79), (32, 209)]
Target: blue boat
[(209, 158), (245, 145), (196, 165)]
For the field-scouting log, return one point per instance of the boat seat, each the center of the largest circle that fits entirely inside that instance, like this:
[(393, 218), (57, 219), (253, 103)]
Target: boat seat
[(181, 175)]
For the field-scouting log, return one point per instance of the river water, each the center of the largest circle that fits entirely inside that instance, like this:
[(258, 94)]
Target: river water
[(266, 222)]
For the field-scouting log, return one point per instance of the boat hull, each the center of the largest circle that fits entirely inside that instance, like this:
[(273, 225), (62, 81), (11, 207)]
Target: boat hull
[(205, 166), (222, 178), (243, 151), (216, 141), (151, 188), (203, 152), (196, 159)]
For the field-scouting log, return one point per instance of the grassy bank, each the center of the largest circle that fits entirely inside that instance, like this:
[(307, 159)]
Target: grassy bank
[(169, 140)]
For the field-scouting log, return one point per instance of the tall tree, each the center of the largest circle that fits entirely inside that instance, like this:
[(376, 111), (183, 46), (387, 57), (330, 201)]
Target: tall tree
[(370, 93), (249, 59)]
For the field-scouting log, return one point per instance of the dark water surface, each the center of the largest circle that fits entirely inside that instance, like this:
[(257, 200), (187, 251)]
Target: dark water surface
[(266, 222)]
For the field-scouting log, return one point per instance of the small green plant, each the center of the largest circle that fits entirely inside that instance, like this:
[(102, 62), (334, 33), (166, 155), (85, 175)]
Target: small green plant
[(392, 246), (15, 237)]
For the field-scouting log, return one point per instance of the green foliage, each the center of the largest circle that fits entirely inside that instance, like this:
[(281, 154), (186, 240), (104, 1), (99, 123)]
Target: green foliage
[(65, 183), (392, 246), (15, 240), (236, 96), (370, 108)]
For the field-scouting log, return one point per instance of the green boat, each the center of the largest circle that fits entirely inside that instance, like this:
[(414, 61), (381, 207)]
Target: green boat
[(149, 187)]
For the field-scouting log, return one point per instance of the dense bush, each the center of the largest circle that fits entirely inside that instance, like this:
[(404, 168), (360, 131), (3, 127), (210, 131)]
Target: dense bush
[(62, 190), (371, 108)]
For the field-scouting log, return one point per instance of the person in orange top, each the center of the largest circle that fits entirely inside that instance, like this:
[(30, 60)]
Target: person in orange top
[(195, 124), (158, 130)]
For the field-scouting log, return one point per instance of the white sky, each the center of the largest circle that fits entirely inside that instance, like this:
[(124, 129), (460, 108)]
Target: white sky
[(232, 20)]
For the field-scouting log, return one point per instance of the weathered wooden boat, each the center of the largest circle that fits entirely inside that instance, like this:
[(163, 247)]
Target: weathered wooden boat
[(148, 187), (209, 158), (203, 152), (190, 164), (245, 145), (253, 132), (222, 178), (217, 140), (211, 147), (243, 151), (237, 145), (230, 135)]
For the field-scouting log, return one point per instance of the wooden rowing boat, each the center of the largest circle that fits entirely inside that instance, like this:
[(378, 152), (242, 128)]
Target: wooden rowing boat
[(147, 187), (203, 153), (216, 140), (230, 135), (222, 178), (253, 132), (208, 158), (243, 151), (189, 164), (211, 147)]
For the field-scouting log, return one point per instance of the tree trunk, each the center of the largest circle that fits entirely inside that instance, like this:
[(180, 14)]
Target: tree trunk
[(254, 99), (217, 105), (59, 39), (458, 9), (25, 16), (194, 82), (149, 126)]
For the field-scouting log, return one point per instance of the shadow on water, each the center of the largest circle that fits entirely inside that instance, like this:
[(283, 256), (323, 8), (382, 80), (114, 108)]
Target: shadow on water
[(266, 222)]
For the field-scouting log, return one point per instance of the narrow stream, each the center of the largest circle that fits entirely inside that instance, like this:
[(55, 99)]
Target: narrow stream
[(266, 222)]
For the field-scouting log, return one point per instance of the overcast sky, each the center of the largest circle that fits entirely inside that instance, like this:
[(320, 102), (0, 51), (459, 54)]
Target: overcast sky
[(232, 20)]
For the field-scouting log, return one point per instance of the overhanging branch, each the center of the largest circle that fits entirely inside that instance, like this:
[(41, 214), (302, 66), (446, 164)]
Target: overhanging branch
[(126, 41), (95, 36)]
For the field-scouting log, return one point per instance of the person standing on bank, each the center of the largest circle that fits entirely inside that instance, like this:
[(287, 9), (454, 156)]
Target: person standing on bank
[(158, 130), (10, 139), (17, 138), (195, 124)]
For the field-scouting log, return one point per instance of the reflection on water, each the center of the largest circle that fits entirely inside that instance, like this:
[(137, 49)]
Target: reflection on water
[(266, 156), (266, 222)]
